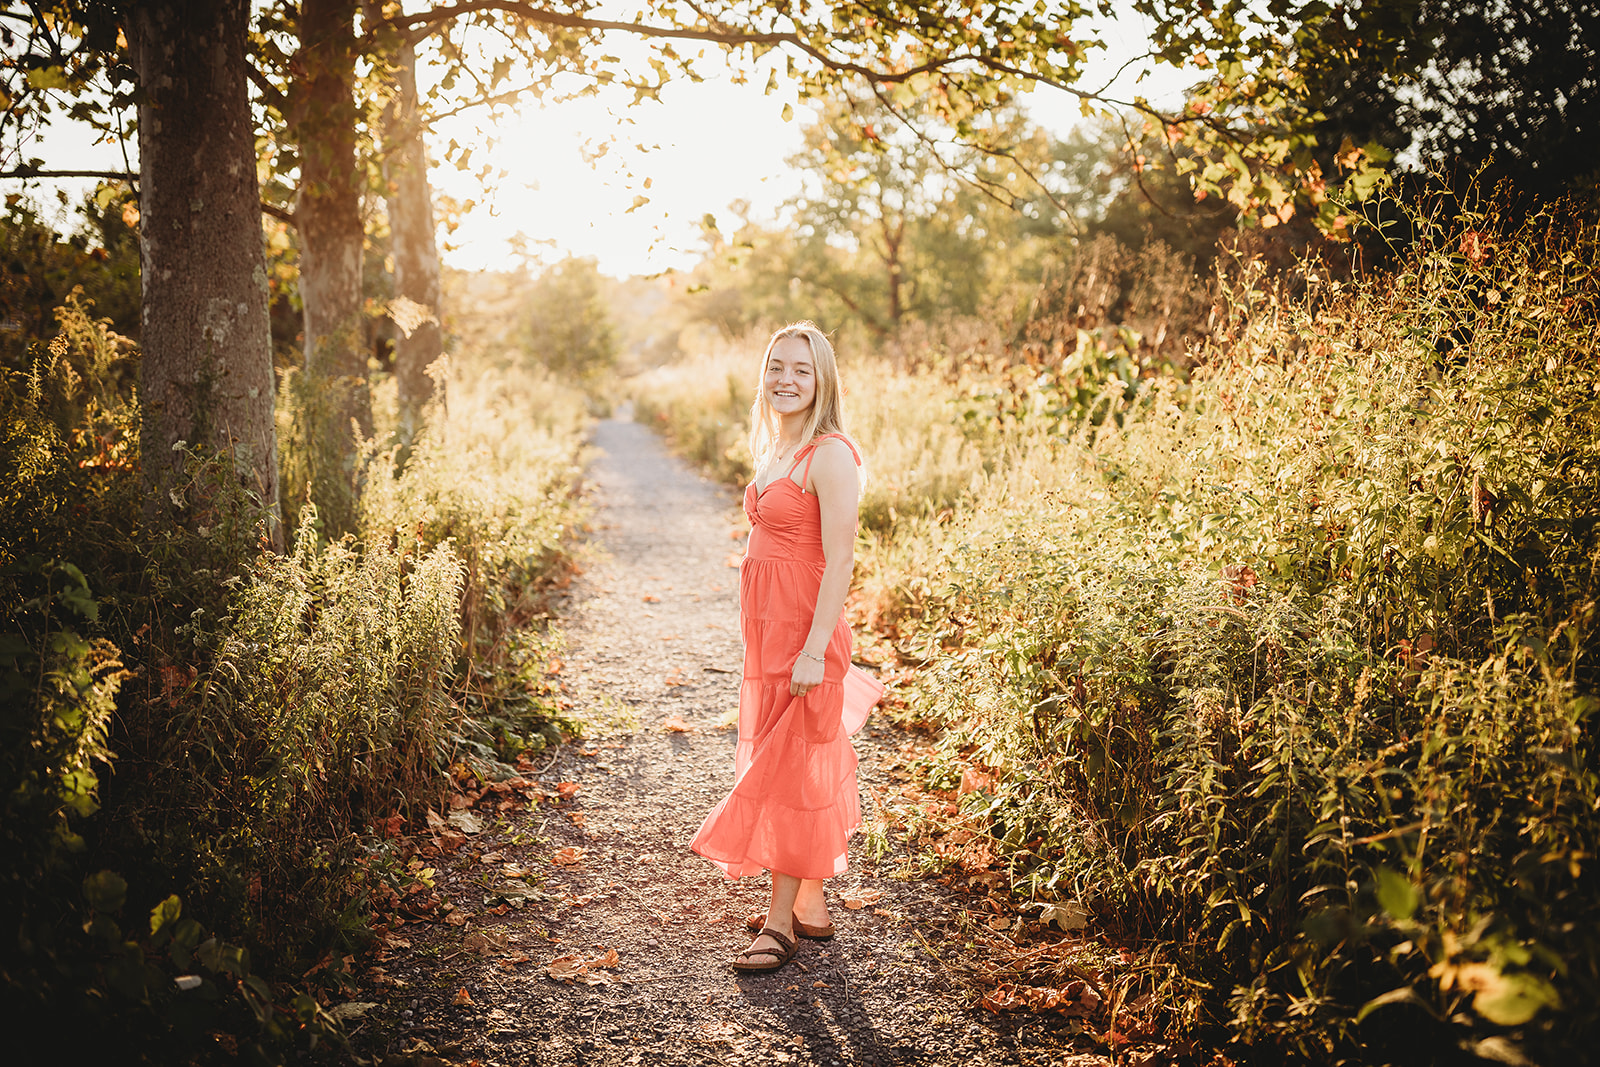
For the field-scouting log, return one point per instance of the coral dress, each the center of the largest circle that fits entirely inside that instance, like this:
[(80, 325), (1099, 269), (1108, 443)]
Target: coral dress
[(794, 801)]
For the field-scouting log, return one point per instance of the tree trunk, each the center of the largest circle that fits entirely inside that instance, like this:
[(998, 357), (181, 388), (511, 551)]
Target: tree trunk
[(416, 255), (206, 376), (334, 398)]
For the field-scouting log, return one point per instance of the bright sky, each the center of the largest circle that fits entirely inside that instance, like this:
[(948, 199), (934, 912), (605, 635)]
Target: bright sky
[(718, 142)]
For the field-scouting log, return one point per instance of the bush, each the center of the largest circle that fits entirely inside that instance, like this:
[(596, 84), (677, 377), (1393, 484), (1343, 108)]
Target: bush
[(1295, 677)]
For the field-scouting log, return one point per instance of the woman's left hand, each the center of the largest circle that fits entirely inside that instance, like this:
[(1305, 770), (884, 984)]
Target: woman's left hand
[(806, 677)]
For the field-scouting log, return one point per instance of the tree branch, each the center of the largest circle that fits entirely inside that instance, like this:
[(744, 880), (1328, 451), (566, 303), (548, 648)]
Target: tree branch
[(35, 172), (280, 213), (269, 92), (423, 23)]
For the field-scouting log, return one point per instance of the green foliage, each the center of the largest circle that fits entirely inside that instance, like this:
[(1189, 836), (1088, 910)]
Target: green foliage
[(41, 269), (1294, 672), (328, 698), (259, 710), (492, 474), (58, 689), (569, 324)]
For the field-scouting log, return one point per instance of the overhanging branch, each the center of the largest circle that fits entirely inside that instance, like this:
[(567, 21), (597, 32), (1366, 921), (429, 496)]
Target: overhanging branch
[(35, 172)]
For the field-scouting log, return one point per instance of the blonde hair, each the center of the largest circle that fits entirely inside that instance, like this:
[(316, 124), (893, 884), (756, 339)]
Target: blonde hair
[(827, 408)]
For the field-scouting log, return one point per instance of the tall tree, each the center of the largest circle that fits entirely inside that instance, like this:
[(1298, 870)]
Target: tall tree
[(418, 291), (206, 376), (323, 123), (1511, 86)]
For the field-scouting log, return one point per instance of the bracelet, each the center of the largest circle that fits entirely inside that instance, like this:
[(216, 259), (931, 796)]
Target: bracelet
[(819, 659)]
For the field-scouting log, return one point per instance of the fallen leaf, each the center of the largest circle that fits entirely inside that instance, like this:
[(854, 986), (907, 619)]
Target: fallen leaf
[(676, 725), (512, 870), (489, 859), (483, 943), (456, 918), (819, 985), (572, 901), (1067, 916), (567, 789), (675, 679), (353, 1009), (574, 968), (462, 998), (650, 598), (862, 899), (466, 821), (435, 821), (566, 857), (579, 819)]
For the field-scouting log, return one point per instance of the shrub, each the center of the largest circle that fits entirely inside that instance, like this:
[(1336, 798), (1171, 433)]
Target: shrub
[(1295, 676)]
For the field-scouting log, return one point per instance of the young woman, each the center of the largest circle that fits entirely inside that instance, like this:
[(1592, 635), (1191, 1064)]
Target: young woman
[(795, 802)]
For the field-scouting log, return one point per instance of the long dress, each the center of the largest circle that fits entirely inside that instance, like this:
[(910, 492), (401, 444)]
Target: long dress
[(795, 801)]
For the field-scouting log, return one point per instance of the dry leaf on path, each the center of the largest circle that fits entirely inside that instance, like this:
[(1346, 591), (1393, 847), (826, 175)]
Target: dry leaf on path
[(574, 968), (566, 857), (567, 789), (462, 998), (466, 821), (862, 899), (512, 870), (483, 943), (650, 598), (674, 724), (352, 1009), (435, 821), (456, 918)]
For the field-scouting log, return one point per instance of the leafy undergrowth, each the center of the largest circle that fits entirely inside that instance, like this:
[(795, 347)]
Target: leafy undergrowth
[(200, 734)]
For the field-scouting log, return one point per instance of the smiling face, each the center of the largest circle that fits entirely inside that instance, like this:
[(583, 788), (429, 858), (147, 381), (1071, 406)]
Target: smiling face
[(790, 379)]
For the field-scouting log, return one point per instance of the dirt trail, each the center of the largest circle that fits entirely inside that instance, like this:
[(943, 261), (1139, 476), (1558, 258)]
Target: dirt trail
[(652, 630)]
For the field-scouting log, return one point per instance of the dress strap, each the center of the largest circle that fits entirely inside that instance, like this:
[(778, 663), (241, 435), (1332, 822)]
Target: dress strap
[(810, 452)]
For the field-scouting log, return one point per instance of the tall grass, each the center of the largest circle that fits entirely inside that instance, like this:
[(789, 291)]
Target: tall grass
[(1286, 669)]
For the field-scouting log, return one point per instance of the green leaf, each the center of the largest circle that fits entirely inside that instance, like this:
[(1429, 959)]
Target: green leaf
[(1404, 995), (49, 78), (1396, 894), (105, 891), (1513, 999), (164, 913)]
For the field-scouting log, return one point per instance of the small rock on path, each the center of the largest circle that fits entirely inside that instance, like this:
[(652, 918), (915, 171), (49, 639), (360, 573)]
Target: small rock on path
[(652, 633)]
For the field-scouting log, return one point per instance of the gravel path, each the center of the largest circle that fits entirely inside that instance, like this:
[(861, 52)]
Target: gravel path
[(653, 649)]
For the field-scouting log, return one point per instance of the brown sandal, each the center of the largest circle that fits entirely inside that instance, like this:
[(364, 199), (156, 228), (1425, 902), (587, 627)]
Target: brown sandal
[(781, 955), (811, 933)]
